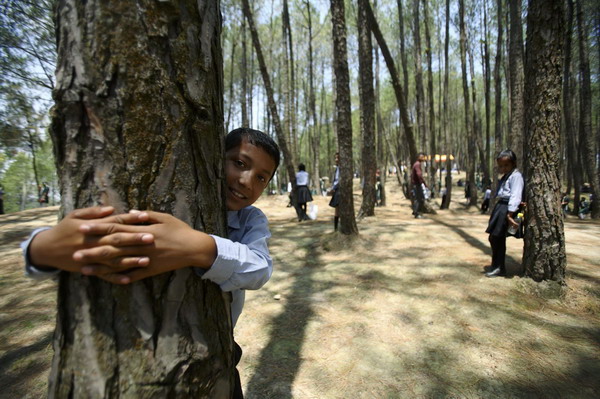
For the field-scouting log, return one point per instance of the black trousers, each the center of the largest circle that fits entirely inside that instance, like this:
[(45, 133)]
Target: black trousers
[(419, 199), (498, 244), (237, 355)]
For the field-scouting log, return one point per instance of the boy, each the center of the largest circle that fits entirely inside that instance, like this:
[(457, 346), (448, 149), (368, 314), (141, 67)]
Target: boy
[(116, 249)]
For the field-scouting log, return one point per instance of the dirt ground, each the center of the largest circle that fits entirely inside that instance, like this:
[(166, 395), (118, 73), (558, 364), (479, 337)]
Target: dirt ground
[(404, 311)]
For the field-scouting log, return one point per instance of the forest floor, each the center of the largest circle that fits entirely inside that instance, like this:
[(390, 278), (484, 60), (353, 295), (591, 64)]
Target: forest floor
[(403, 311)]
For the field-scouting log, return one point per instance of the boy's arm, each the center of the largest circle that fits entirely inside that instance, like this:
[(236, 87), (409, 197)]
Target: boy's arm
[(246, 262)]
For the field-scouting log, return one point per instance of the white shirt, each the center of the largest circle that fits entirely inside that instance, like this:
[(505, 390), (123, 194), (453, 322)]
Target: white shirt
[(302, 178), (243, 261), (488, 194), (512, 190)]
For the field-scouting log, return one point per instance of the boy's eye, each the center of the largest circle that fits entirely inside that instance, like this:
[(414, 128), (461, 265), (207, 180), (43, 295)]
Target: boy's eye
[(240, 163), (262, 179)]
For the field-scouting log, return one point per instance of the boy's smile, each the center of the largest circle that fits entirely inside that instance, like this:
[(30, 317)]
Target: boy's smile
[(248, 169)]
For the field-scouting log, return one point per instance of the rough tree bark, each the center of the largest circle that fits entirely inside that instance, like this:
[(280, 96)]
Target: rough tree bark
[(544, 256), (422, 132), (138, 123), (516, 59), (432, 141), (367, 112), (343, 117)]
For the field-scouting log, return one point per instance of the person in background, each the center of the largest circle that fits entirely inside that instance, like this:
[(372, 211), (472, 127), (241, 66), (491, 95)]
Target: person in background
[(485, 205), (335, 192), (303, 194), (416, 178)]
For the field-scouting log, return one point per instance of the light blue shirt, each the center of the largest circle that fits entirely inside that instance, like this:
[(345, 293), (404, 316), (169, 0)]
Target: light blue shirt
[(512, 190), (302, 178), (243, 261)]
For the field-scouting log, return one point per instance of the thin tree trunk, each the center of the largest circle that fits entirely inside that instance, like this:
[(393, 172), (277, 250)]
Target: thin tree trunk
[(381, 157), (398, 90), (516, 59), (367, 112), (476, 121), (573, 156), (230, 102), (288, 158), (403, 58), (316, 138), (472, 155), (488, 88), (586, 135), (343, 117), (432, 142), (498, 88), (422, 132), (544, 256), (446, 203), (244, 73), (138, 124)]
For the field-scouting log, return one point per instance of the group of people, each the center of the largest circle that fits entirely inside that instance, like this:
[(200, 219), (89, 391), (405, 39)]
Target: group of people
[(122, 249)]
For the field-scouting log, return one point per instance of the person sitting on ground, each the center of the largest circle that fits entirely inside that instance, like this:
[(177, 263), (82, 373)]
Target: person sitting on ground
[(236, 263), (509, 195), (303, 194)]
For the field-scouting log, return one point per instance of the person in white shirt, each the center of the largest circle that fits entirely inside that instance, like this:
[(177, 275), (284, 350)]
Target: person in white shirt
[(236, 263), (303, 194), (485, 205), (509, 195)]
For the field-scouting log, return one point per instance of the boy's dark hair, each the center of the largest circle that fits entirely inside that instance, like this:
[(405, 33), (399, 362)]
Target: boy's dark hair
[(508, 154), (420, 154), (301, 167), (255, 137)]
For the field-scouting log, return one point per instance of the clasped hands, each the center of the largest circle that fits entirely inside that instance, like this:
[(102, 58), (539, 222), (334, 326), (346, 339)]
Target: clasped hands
[(121, 248)]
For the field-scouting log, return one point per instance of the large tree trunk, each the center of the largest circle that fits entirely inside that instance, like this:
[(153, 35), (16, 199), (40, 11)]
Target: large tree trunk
[(544, 255), (588, 144), (367, 112), (138, 124), (515, 62), (403, 58), (343, 117)]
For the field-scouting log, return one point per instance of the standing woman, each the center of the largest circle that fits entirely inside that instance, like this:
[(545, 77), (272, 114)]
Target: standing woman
[(335, 192), (302, 192), (508, 195)]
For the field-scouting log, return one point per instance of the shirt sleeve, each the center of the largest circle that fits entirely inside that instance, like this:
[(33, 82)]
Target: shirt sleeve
[(516, 191), (30, 269), (245, 264)]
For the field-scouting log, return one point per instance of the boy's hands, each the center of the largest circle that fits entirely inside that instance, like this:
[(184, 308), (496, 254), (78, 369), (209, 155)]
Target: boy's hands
[(175, 245), (54, 248)]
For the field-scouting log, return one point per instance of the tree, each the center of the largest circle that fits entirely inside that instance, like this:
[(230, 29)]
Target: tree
[(586, 135), (343, 117), (446, 203), (498, 87), (471, 156), (544, 255), (515, 62), (315, 136), (138, 124), (367, 112)]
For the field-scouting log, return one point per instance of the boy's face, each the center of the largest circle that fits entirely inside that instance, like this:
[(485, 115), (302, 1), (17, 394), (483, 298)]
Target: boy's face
[(505, 165), (248, 169)]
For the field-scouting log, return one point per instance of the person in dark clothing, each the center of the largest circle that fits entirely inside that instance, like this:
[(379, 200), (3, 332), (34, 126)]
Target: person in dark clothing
[(416, 178)]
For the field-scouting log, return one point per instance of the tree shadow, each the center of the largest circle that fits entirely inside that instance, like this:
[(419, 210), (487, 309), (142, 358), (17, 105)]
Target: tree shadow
[(281, 359), (513, 266)]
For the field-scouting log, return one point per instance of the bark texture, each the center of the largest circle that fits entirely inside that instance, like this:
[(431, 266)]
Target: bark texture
[(343, 117), (367, 112), (515, 62), (544, 256), (138, 124)]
